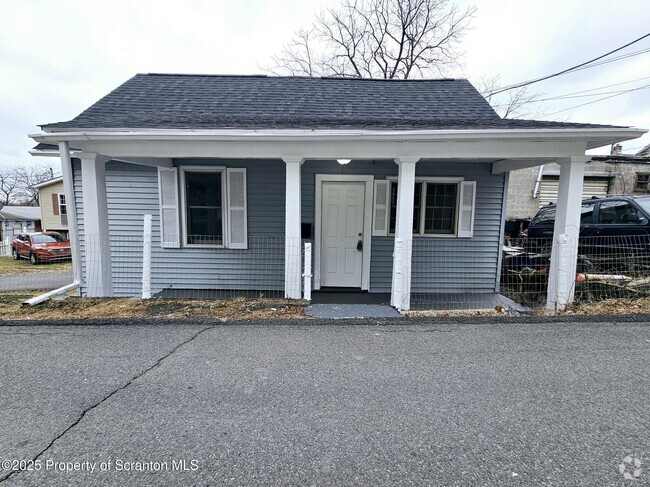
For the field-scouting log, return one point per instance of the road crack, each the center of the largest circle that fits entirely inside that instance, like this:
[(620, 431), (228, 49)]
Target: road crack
[(111, 394)]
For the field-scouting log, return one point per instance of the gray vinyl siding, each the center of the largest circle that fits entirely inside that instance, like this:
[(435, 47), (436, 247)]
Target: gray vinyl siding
[(439, 264), (132, 191)]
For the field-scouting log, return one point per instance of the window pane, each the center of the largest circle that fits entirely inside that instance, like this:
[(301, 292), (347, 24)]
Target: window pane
[(587, 213), (617, 212), (440, 211), (417, 198), (204, 211), (545, 216), (642, 180)]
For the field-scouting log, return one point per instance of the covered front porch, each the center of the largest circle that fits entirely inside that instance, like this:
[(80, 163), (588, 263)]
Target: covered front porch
[(381, 244)]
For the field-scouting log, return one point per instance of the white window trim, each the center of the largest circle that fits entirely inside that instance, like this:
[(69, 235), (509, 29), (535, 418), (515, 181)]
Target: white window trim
[(64, 204), (440, 180), (224, 207), (61, 215)]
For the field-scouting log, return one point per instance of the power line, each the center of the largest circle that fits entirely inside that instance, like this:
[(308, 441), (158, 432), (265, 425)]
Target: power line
[(606, 86), (600, 99), (579, 94), (573, 68)]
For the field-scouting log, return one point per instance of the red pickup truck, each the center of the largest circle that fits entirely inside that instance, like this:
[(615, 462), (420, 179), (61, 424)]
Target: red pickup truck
[(41, 247)]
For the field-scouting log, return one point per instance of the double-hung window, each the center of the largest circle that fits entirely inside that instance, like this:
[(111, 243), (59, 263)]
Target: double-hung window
[(441, 207), (203, 196), (204, 207)]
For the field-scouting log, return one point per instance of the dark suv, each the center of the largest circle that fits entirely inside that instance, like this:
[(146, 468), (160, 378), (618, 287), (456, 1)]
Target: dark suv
[(615, 225)]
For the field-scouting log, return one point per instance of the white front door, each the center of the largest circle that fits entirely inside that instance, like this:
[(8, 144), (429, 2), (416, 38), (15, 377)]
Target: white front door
[(342, 233)]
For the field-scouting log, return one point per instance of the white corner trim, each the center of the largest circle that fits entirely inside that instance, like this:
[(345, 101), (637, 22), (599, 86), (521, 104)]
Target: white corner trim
[(367, 223)]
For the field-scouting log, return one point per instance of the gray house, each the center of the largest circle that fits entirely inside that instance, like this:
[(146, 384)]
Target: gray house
[(400, 185)]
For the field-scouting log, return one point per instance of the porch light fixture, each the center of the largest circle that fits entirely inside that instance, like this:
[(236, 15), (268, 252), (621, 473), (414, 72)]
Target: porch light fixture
[(343, 162)]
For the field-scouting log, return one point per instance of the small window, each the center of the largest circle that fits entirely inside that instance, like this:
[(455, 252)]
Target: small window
[(440, 209), (617, 212), (204, 208), (63, 209), (435, 208), (642, 185)]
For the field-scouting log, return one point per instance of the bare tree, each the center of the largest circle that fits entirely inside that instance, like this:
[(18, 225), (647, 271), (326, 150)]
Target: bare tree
[(516, 103), (378, 39), (16, 184)]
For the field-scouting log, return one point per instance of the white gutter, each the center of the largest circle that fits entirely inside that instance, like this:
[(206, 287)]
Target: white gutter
[(385, 135), (44, 297)]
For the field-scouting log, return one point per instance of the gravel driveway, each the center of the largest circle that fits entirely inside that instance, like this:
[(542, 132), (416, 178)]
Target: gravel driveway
[(318, 403)]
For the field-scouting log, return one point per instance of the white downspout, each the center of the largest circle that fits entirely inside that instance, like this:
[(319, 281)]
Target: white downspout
[(538, 181), (71, 207)]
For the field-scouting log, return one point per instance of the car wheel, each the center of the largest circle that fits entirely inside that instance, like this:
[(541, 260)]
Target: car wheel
[(33, 259), (14, 254)]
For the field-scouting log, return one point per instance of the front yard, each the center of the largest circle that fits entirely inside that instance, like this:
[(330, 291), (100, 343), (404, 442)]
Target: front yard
[(11, 267)]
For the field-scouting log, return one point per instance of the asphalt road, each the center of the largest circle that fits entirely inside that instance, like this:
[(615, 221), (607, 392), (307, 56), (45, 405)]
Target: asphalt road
[(327, 404)]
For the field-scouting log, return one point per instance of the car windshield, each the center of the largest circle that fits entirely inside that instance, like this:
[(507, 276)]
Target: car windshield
[(644, 203), (46, 239)]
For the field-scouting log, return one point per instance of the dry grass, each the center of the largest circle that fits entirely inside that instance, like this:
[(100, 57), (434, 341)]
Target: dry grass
[(239, 308), (611, 307), (76, 308), (11, 267)]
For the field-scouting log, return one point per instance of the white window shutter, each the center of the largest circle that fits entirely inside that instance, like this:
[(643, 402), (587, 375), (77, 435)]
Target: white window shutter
[(169, 216), (237, 216), (381, 208), (466, 210)]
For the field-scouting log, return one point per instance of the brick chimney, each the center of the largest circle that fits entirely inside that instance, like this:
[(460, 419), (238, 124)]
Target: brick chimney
[(617, 149)]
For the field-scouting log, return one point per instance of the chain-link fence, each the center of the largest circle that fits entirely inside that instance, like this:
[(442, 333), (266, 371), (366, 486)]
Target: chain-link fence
[(607, 267)]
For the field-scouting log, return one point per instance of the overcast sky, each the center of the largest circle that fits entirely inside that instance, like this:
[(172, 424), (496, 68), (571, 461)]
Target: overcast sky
[(59, 57)]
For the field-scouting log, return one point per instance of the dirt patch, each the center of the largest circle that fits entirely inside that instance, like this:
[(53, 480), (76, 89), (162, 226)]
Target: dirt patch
[(74, 308)]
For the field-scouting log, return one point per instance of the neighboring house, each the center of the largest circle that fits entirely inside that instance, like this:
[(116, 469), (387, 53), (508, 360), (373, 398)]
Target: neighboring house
[(615, 174), (400, 185), (17, 219), (54, 210)]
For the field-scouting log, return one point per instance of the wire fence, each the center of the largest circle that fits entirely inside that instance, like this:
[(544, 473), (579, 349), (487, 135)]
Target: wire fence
[(32, 266), (458, 274), (608, 267), (203, 269), (462, 276)]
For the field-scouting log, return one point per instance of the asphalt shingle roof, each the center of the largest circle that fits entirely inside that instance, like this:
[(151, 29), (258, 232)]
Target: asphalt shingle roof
[(171, 101)]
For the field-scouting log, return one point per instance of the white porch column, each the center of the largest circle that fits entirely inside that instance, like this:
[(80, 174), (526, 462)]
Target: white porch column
[(292, 229), (99, 280), (564, 256), (401, 284)]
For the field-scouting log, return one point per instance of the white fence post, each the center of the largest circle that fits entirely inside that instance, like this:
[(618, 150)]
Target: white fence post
[(396, 286), (146, 258), (307, 274)]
